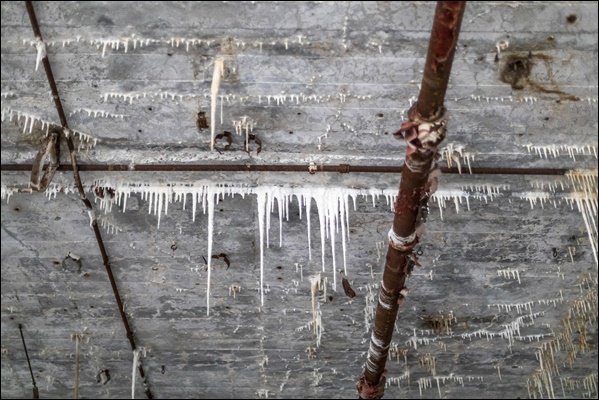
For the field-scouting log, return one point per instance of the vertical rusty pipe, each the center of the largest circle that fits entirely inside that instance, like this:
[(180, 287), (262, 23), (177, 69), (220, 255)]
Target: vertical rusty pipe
[(413, 187), (441, 49)]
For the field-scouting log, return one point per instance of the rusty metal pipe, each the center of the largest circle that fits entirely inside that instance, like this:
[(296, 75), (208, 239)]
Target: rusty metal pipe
[(342, 168), (441, 49), (84, 199), (414, 186)]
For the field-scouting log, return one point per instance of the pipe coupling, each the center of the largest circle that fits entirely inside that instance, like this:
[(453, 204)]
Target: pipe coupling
[(401, 243)]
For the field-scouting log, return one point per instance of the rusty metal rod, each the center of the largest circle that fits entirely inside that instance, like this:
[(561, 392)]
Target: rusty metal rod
[(36, 394), (414, 186), (341, 168), (88, 205)]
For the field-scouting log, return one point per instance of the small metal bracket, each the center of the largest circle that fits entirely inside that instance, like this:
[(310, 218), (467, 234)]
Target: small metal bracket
[(225, 258), (256, 140), (226, 134), (50, 148)]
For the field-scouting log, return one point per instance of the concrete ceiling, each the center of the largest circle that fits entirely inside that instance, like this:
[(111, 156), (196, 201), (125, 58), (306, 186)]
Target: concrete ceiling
[(502, 284)]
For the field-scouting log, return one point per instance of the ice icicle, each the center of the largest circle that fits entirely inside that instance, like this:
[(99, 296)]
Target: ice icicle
[(343, 208), (332, 213), (41, 51), (321, 219), (218, 73), (308, 201), (133, 373), (268, 205), (261, 197), (210, 194), (280, 205), (159, 194)]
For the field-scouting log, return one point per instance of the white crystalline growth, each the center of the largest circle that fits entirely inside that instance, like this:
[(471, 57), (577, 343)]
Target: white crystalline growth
[(109, 226), (26, 119), (29, 121), (117, 43), (484, 192), (555, 150), (219, 71), (332, 205), (454, 153), (86, 141), (509, 273), (41, 51), (243, 124), (583, 186), (97, 113), (6, 192), (442, 196)]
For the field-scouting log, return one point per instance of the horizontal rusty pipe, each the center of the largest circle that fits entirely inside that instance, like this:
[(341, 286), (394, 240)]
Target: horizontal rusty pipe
[(84, 199), (415, 186), (341, 168)]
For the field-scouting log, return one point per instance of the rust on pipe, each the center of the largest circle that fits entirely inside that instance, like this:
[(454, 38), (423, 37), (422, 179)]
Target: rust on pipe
[(342, 168), (84, 199), (439, 59), (423, 132)]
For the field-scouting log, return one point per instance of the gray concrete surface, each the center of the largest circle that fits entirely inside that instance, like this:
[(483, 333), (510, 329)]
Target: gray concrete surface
[(500, 284)]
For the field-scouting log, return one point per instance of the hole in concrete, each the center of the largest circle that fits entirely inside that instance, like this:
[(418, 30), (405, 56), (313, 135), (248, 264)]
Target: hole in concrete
[(227, 307), (17, 209), (516, 70), (91, 306), (291, 132), (279, 267), (169, 54), (279, 278), (56, 262), (348, 324), (299, 113), (341, 309), (352, 231), (485, 286), (154, 268), (139, 130), (546, 118), (330, 298), (571, 18), (86, 275), (380, 115), (149, 108), (423, 310), (64, 309), (12, 317), (386, 133), (514, 366), (95, 86), (221, 210)]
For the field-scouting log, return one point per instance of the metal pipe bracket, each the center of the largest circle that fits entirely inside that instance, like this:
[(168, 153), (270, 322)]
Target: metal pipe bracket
[(423, 134)]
